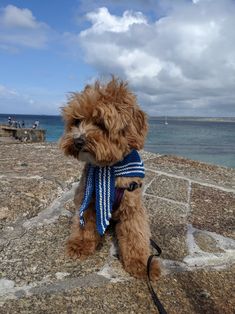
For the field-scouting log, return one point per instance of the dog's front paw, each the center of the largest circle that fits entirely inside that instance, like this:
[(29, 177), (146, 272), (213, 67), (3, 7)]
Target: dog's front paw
[(155, 270), (138, 269), (77, 248)]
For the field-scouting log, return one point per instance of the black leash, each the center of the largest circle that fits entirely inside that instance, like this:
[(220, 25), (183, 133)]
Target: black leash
[(118, 197), (156, 301)]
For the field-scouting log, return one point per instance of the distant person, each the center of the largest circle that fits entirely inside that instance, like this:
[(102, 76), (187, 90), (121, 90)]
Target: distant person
[(9, 121), (36, 125), (14, 123), (18, 124), (22, 124)]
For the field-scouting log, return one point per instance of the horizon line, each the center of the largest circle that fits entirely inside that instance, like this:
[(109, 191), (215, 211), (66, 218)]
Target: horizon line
[(150, 116)]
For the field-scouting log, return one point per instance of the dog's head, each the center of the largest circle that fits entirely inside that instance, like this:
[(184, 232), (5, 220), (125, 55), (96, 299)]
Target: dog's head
[(103, 123)]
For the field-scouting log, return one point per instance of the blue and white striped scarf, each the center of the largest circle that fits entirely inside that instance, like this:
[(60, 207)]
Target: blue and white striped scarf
[(101, 181)]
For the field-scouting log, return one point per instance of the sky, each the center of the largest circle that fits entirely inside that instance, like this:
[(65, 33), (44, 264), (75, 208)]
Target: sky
[(177, 56)]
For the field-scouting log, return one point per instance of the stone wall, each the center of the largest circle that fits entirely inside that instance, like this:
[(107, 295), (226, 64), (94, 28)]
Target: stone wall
[(191, 207), (23, 134)]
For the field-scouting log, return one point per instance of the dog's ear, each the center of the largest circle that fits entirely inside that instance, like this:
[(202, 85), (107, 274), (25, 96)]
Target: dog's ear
[(138, 130)]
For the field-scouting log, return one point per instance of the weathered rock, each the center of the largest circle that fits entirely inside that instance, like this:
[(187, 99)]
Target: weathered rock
[(170, 188), (191, 169), (191, 211), (213, 209), (21, 134), (206, 243)]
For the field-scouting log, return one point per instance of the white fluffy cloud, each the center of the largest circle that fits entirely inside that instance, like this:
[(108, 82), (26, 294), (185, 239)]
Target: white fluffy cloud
[(102, 21), (182, 63), (19, 28), (15, 17)]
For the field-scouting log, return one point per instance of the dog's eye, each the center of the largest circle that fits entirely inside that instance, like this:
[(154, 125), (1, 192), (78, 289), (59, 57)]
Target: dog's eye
[(77, 122), (101, 126)]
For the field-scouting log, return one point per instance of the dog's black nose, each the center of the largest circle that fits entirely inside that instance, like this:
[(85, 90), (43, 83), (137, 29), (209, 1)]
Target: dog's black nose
[(79, 141)]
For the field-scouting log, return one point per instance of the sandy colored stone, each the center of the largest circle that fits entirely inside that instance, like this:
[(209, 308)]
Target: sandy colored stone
[(169, 187), (169, 226), (37, 186), (43, 160), (40, 253), (24, 198), (213, 210), (190, 292), (32, 176), (149, 176), (206, 243), (148, 155), (4, 212), (194, 170)]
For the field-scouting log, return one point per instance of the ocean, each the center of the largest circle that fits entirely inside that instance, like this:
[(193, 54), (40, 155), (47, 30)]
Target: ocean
[(203, 139)]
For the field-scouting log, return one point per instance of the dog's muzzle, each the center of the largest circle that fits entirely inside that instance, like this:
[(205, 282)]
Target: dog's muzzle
[(79, 142)]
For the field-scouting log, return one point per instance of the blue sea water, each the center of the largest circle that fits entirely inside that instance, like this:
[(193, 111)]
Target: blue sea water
[(209, 141)]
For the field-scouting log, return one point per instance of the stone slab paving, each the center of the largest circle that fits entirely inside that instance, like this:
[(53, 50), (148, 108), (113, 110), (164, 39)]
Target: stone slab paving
[(219, 206), (191, 211)]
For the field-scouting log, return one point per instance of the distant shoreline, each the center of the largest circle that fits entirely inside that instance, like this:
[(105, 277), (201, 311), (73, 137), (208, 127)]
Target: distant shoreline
[(198, 119), (179, 118)]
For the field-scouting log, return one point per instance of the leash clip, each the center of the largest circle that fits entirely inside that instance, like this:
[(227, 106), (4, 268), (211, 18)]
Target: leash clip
[(133, 186)]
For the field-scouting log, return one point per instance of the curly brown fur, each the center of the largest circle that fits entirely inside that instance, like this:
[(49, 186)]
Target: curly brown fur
[(103, 124)]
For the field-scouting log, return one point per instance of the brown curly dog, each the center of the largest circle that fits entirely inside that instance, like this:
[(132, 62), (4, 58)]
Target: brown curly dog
[(103, 124)]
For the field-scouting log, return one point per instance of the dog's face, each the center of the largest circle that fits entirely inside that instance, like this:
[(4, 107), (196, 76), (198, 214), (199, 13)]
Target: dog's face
[(103, 123)]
